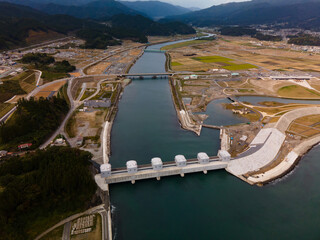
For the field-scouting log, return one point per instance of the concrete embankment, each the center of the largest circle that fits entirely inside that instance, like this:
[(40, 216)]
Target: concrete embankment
[(185, 121), (287, 165), (268, 144)]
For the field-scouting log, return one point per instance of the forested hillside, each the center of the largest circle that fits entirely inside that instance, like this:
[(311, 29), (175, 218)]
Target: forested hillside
[(298, 13), (33, 122), (16, 21), (42, 188)]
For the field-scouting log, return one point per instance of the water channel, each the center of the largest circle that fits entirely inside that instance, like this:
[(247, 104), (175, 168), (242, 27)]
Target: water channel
[(198, 206)]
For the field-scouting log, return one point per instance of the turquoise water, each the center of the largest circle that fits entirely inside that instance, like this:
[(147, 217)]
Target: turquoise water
[(198, 206), (220, 206)]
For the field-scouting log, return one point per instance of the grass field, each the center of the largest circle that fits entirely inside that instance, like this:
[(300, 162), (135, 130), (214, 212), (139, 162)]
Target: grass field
[(5, 107), (50, 76), (213, 59), (184, 44), (176, 64), (237, 67), (225, 63), (295, 91)]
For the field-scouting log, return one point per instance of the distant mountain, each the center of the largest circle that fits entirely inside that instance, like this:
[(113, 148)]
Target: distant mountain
[(156, 9), (33, 3), (294, 13), (93, 10), (194, 9), (149, 27), (18, 22)]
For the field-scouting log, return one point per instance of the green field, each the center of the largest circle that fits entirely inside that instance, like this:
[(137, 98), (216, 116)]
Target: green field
[(183, 44), (295, 91), (5, 107), (236, 67), (213, 59), (225, 63), (173, 64)]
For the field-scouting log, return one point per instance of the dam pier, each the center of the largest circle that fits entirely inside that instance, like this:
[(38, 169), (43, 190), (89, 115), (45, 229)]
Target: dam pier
[(157, 168)]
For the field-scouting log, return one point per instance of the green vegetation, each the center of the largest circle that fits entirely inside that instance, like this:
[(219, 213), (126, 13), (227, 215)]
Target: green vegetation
[(41, 189), (70, 125), (176, 64), (4, 108), (38, 59), (51, 69), (265, 37), (33, 122), (226, 62), (236, 67), (305, 39), (213, 59), (10, 88), (295, 91), (237, 31), (184, 44), (54, 234), (87, 94)]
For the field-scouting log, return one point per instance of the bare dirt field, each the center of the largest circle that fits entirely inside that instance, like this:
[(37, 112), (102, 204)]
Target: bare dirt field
[(45, 92), (241, 49)]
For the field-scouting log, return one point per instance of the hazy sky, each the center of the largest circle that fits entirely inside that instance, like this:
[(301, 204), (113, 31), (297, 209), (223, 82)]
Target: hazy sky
[(196, 3)]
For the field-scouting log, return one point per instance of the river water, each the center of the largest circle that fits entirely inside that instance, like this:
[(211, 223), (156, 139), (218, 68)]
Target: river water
[(198, 206)]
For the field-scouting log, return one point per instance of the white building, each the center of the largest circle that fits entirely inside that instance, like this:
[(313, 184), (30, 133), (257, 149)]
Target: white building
[(132, 166), (203, 158), (193, 76), (156, 163), (180, 160), (105, 170), (224, 155)]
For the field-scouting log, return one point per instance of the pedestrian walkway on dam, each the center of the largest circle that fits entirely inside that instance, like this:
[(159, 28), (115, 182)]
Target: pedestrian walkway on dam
[(157, 169)]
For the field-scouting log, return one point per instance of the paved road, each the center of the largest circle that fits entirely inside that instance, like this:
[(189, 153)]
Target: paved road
[(73, 106), (66, 231)]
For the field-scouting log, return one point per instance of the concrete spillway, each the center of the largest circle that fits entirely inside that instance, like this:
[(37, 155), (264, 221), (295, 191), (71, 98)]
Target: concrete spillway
[(168, 169)]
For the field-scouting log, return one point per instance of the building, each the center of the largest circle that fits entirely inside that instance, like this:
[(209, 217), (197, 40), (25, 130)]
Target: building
[(241, 111), (203, 158), (193, 76), (79, 141), (105, 170), (156, 163), (104, 103), (301, 78), (224, 155), (24, 146), (180, 160), (3, 153), (132, 167)]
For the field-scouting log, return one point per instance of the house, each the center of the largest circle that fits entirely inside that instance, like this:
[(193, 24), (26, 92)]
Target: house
[(3, 153), (79, 141), (193, 76), (24, 146)]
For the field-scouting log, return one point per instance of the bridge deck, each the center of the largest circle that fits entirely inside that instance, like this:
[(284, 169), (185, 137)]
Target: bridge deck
[(169, 169)]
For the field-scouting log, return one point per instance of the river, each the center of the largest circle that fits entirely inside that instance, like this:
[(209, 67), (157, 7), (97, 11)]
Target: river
[(198, 206)]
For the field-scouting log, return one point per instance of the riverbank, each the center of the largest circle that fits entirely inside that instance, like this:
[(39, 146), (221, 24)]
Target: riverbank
[(249, 170)]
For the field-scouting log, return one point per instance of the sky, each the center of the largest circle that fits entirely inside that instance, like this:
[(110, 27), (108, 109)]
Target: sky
[(196, 3)]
